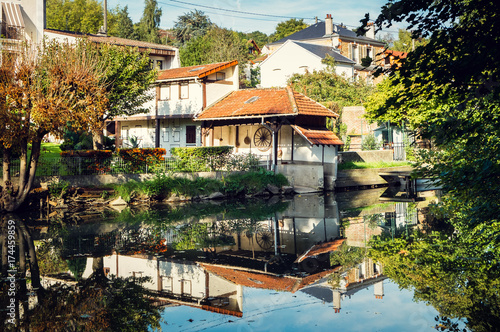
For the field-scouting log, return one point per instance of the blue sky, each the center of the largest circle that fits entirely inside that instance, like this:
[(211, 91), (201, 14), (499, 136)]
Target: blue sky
[(347, 12)]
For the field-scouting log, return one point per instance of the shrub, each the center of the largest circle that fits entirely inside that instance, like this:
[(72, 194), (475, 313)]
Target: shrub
[(242, 162), (135, 160), (370, 143), (252, 182), (58, 189), (199, 159)]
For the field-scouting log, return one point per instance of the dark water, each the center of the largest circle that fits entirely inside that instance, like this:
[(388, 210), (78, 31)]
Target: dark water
[(227, 266)]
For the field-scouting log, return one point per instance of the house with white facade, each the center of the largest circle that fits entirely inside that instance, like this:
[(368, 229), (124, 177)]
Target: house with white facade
[(280, 126), (180, 94), (295, 57), (21, 20), (339, 39)]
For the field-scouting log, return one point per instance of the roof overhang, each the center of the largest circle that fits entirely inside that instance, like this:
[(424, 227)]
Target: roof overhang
[(318, 137)]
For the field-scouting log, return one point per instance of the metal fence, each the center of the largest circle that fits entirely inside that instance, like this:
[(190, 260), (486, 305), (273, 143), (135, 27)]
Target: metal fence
[(116, 165)]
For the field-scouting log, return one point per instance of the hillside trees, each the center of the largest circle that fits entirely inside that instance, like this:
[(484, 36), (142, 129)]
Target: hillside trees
[(147, 28), (286, 28), (41, 91), (191, 25)]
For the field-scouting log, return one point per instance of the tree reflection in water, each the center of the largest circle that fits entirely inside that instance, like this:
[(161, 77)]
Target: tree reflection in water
[(94, 304)]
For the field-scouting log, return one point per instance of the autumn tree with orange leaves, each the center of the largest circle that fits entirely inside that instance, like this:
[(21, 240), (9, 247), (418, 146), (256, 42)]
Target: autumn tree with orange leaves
[(43, 88)]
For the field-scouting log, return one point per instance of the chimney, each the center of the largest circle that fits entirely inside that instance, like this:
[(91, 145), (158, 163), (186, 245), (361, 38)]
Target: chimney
[(328, 25), (104, 28), (370, 33)]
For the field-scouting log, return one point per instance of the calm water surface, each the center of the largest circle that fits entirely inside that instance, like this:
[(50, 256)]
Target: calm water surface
[(243, 266)]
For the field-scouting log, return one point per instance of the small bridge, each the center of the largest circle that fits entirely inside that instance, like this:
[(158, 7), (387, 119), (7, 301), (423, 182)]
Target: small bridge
[(405, 178)]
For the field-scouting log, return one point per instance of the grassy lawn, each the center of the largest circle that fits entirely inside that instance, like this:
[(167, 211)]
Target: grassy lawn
[(378, 164), (50, 150)]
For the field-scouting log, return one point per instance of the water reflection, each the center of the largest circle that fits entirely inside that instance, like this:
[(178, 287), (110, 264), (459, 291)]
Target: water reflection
[(217, 257)]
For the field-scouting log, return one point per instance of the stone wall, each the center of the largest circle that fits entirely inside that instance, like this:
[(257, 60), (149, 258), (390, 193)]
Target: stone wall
[(366, 156)]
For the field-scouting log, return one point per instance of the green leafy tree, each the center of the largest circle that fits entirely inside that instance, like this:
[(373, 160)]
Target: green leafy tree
[(452, 81), (147, 28), (217, 45), (286, 28), (130, 75), (191, 25), (406, 42), (120, 24), (77, 15)]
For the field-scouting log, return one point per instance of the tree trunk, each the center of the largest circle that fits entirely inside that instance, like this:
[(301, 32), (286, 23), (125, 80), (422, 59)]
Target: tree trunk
[(98, 140)]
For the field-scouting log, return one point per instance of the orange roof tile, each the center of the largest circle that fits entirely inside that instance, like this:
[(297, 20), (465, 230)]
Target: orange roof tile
[(264, 102), (252, 279), (400, 55), (195, 71), (318, 137)]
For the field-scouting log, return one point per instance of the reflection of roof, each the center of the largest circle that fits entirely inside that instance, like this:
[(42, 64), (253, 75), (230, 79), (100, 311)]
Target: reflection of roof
[(195, 71), (222, 310), (259, 102), (318, 137), (252, 279), (322, 248), (318, 31), (322, 51), (155, 48), (265, 281)]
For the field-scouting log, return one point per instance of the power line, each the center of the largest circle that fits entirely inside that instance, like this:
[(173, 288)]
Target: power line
[(239, 11), (225, 15)]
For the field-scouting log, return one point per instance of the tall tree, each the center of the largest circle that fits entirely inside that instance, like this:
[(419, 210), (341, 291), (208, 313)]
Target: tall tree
[(41, 91), (453, 82), (147, 28), (191, 25), (286, 28), (120, 24), (130, 76), (217, 45), (406, 42), (75, 15)]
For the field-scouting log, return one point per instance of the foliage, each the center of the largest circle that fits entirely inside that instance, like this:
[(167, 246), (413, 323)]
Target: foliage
[(405, 42), (242, 162), (120, 24), (450, 92), (370, 143), (327, 87), (147, 28), (128, 190), (252, 182), (286, 28), (347, 256), (42, 89), (76, 140), (59, 188), (208, 158), (460, 280), (257, 36), (217, 45), (74, 15), (191, 25), (137, 159)]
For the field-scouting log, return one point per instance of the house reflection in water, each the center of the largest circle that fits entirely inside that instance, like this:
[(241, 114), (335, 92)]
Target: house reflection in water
[(287, 252)]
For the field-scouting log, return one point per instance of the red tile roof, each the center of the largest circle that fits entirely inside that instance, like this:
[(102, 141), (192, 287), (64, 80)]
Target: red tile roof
[(318, 137), (117, 41), (252, 279), (264, 102), (400, 55), (195, 71)]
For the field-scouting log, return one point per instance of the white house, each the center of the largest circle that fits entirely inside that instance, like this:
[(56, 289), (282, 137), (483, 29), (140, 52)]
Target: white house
[(279, 125), (299, 58), (181, 93), (342, 40), (22, 20)]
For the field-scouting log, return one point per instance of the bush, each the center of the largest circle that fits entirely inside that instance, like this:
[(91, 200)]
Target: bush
[(370, 143), (136, 160), (242, 162), (58, 189), (252, 182), (199, 159)]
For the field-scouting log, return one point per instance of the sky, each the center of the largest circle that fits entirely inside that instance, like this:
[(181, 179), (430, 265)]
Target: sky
[(347, 12)]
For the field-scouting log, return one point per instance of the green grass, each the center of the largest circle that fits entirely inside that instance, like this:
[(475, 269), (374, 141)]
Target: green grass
[(50, 150), (378, 164)]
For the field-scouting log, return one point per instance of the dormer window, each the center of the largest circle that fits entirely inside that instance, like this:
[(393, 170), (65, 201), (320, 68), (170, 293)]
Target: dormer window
[(220, 76)]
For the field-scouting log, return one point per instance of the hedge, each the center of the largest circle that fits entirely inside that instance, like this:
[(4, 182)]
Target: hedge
[(136, 159), (205, 158)]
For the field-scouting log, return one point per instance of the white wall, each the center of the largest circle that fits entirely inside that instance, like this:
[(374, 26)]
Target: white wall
[(292, 59), (175, 105)]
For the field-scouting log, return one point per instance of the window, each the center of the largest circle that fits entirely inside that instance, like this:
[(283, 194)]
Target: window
[(184, 90), (220, 76), (190, 134), (165, 92), (159, 64)]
